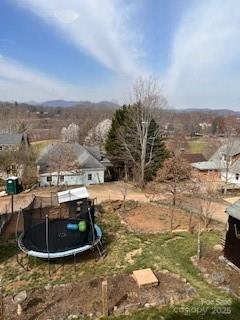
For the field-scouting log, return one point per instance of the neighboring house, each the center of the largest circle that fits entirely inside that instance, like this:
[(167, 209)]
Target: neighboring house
[(86, 167), (224, 164), (13, 141)]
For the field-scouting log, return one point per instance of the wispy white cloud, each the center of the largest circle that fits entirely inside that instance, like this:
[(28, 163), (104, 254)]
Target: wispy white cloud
[(205, 65), (100, 28), (21, 83), (18, 82)]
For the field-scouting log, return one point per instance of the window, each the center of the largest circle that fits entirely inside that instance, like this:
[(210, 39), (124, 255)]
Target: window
[(237, 176), (62, 178), (1, 147), (49, 178), (89, 177)]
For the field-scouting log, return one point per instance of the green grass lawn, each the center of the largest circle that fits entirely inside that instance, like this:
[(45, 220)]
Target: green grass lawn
[(38, 146), (197, 145), (157, 253)]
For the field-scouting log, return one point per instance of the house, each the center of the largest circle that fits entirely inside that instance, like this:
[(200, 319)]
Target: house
[(71, 164), (232, 240), (223, 165), (13, 141)]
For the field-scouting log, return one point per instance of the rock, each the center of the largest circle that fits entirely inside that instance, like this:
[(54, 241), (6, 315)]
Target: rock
[(72, 317), (221, 258), (218, 247), (48, 286), (165, 271), (217, 278), (147, 305), (203, 269), (20, 297)]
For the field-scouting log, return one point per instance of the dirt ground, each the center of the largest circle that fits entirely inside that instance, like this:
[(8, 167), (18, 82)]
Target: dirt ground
[(149, 218), (103, 192), (219, 273), (84, 298)]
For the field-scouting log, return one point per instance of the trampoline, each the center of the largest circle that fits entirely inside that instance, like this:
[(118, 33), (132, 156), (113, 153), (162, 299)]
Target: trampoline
[(52, 239)]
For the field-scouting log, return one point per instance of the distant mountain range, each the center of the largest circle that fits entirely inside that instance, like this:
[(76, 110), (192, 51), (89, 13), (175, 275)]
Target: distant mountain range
[(220, 112), (67, 104)]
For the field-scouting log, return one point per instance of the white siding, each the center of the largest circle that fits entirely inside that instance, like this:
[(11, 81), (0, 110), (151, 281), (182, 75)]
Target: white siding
[(232, 177), (71, 179)]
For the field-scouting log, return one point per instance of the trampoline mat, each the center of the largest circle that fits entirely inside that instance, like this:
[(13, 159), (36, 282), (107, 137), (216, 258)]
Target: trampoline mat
[(60, 238)]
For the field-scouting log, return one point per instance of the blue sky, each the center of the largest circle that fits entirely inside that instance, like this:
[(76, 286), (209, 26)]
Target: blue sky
[(95, 50)]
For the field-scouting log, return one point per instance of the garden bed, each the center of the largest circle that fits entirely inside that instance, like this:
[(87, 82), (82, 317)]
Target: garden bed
[(149, 218), (84, 298)]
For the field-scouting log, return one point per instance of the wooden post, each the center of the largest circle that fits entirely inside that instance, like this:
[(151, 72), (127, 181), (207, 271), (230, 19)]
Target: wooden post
[(12, 203), (199, 242), (105, 298), (1, 301)]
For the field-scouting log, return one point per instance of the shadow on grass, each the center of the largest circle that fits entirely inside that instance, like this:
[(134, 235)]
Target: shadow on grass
[(7, 251)]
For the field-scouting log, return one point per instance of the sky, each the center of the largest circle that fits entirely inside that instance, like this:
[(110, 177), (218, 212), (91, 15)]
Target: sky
[(96, 49)]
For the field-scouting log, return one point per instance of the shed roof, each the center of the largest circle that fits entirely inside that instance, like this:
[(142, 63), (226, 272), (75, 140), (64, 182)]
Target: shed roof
[(234, 210), (72, 194)]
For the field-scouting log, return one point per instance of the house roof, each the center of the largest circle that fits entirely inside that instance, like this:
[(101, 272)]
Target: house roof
[(206, 165), (72, 194), (232, 148), (235, 167), (215, 162), (193, 157), (234, 210), (12, 138), (81, 158), (94, 151)]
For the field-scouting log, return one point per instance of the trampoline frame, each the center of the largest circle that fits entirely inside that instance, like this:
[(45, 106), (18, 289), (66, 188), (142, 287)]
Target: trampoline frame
[(62, 254)]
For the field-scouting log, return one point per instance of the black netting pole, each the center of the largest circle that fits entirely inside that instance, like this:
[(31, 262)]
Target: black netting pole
[(47, 241)]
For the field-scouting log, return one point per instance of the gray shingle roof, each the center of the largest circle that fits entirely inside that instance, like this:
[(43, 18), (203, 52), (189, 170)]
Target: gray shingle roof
[(232, 148), (83, 159), (94, 151), (11, 139)]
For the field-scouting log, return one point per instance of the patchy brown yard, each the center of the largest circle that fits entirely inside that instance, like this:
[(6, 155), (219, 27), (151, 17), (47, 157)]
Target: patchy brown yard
[(148, 218)]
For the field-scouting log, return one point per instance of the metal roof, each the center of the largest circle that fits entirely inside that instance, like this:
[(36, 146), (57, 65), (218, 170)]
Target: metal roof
[(234, 210), (206, 165), (72, 194)]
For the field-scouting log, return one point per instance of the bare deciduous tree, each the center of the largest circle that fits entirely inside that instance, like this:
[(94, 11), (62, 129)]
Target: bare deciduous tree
[(149, 100), (207, 206), (124, 192), (59, 158), (171, 178)]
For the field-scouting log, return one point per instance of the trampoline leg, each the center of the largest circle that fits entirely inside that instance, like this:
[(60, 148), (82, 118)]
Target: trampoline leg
[(74, 256), (99, 249)]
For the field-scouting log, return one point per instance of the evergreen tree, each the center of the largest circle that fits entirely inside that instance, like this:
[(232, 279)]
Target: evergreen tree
[(124, 144)]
